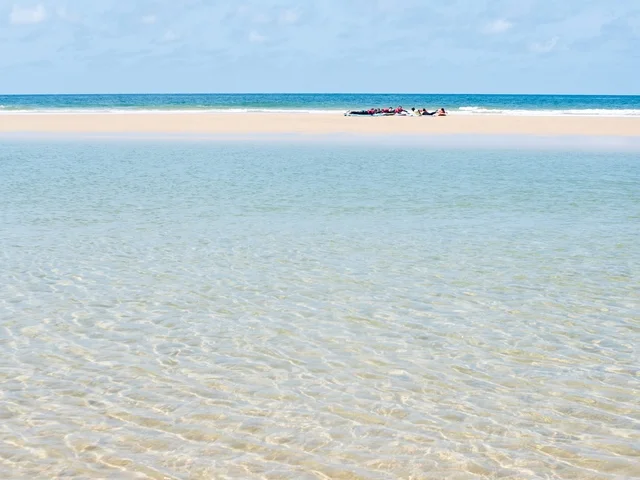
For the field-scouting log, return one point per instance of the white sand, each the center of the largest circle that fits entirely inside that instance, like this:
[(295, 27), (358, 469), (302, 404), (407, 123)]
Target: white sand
[(237, 124)]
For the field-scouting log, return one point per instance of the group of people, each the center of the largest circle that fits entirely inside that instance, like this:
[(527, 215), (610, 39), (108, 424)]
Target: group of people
[(441, 112)]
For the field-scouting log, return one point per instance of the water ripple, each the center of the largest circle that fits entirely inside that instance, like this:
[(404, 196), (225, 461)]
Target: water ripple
[(215, 311)]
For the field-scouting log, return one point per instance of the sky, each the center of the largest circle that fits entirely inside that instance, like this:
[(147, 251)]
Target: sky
[(400, 46)]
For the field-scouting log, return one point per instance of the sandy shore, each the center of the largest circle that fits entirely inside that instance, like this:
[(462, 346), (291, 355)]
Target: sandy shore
[(234, 124)]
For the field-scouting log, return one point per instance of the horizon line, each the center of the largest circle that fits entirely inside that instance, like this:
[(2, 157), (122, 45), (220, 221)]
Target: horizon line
[(326, 93)]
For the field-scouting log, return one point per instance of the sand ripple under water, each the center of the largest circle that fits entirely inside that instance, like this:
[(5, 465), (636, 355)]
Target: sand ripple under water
[(197, 311)]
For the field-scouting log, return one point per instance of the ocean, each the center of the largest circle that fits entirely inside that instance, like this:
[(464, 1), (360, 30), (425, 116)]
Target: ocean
[(262, 309), (460, 104)]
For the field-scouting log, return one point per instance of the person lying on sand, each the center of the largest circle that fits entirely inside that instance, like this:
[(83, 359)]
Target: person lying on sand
[(371, 111), (398, 111)]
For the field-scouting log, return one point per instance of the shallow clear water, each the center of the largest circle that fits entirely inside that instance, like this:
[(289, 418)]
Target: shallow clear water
[(207, 310)]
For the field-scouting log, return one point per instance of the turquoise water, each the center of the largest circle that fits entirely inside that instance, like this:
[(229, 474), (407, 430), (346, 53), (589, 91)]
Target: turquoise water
[(262, 310), (462, 104)]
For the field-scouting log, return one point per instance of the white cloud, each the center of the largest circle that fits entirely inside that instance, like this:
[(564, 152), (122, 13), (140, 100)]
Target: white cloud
[(498, 26), (25, 15), (170, 36), (544, 47), (149, 19), (386, 5), (261, 18), (255, 37), (64, 14), (289, 17)]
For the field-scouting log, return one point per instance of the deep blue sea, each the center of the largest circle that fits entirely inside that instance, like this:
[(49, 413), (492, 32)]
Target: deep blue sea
[(206, 309), (461, 104)]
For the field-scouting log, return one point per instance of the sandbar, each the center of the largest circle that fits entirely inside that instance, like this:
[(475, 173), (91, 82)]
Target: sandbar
[(311, 124)]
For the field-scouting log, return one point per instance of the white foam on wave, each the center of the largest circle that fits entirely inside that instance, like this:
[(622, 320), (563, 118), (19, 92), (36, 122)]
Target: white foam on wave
[(469, 110), (167, 111), (575, 112)]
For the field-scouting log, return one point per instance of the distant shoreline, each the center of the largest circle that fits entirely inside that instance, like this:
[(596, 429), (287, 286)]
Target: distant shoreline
[(470, 112), (508, 105), (277, 123)]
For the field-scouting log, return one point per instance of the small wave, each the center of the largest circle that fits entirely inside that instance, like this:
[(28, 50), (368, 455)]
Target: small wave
[(167, 111), (576, 112), (467, 110)]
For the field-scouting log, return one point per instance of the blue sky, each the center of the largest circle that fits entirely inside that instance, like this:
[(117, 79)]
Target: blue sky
[(443, 46)]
